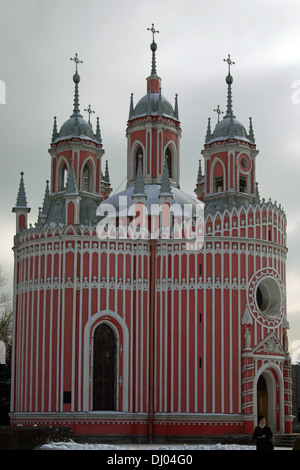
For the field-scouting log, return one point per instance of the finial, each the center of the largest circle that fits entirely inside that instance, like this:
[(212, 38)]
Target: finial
[(218, 111), (229, 80), (89, 110), (153, 47), (76, 80)]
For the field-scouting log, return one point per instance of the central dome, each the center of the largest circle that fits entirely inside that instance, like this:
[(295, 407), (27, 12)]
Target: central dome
[(142, 108)]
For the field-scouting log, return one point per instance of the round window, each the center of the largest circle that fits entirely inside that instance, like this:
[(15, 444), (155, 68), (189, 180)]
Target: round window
[(268, 297)]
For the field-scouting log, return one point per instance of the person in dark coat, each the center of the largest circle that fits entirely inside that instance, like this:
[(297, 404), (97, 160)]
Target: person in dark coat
[(263, 435)]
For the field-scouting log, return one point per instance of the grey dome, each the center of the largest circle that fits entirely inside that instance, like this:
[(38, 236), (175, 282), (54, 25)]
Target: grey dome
[(152, 192), (142, 107), (229, 126), (76, 126)]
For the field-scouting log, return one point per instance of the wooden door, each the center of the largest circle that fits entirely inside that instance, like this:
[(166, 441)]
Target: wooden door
[(262, 397), (104, 368)]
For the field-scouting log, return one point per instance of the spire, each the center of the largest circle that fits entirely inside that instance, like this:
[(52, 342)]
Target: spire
[(98, 133), (55, 133), (46, 202), (229, 80), (131, 106), (200, 175), (106, 176), (71, 186), (208, 132), (76, 80), (153, 48), (21, 198), (251, 133), (176, 113), (165, 181), (139, 187)]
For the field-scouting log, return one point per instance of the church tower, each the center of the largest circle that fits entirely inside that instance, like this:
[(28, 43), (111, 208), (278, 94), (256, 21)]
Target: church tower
[(153, 132)]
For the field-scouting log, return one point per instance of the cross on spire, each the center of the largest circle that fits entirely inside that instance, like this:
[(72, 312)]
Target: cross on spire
[(89, 110), (153, 31), (218, 111), (229, 62), (76, 60)]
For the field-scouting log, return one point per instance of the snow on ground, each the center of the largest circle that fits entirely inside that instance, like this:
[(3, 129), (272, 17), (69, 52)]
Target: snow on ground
[(71, 445)]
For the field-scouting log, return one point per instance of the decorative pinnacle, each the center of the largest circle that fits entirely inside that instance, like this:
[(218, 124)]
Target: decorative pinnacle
[(153, 47), (89, 110), (21, 198)]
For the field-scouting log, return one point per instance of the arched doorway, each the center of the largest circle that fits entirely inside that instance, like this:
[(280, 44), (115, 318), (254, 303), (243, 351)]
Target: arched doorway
[(262, 397), (270, 398), (104, 368)]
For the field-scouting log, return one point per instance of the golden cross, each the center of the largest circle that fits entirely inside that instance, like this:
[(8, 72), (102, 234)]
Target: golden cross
[(76, 60), (153, 30), (229, 62)]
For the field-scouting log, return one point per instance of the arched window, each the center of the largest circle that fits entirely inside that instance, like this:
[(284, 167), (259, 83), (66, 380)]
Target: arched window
[(63, 177), (138, 152), (169, 162), (104, 368), (87, 178)]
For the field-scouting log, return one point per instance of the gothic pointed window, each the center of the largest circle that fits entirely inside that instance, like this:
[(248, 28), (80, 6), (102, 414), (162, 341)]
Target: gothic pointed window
[(138, 152), (104, 368), (169, 162), (87, 179), (63, 177)]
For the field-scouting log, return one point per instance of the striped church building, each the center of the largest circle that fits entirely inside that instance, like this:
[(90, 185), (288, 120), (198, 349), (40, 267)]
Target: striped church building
[(123, 329)]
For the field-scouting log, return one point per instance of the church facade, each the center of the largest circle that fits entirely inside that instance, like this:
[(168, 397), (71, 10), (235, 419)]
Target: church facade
[(124, 329)]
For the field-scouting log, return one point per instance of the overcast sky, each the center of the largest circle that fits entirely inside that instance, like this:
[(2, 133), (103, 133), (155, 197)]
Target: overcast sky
[(38, 37)]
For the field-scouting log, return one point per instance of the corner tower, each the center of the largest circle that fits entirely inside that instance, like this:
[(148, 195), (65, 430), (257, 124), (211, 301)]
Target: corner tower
[(153, 132), (229, 159)]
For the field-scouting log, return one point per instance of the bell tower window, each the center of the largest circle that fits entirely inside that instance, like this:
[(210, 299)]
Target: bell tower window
[(243, 185), (63, 177), (87, 179), (138, 153), (219, 184), (169, 162)]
